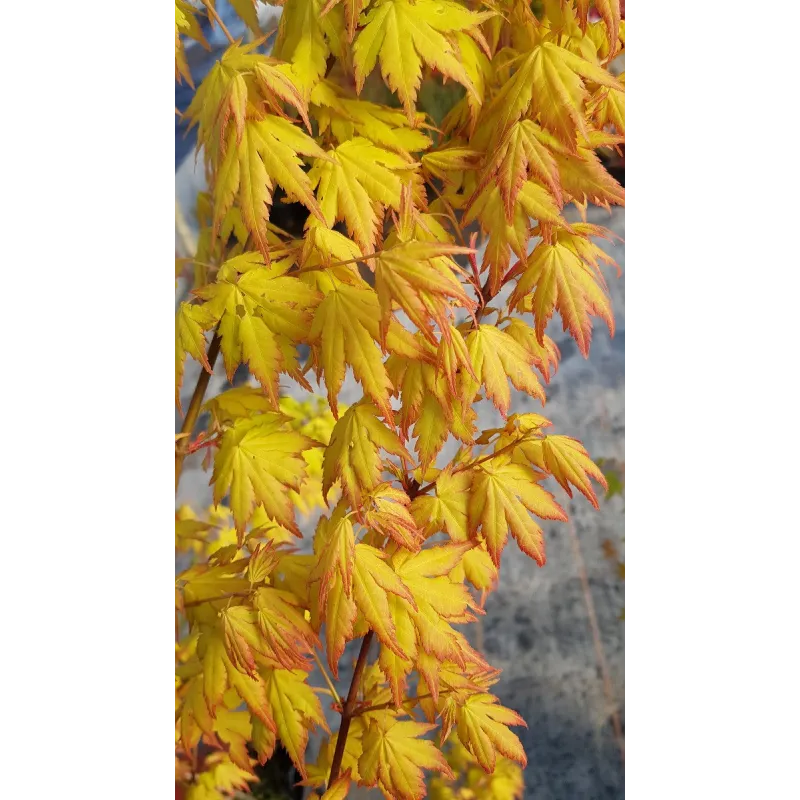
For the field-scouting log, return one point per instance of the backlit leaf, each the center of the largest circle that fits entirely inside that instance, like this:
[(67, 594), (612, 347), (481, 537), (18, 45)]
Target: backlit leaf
[(354, 184), (501, 499), (258, 460), (394, 758), (483, 730), (404, 35), (296, 710), (352, 455)]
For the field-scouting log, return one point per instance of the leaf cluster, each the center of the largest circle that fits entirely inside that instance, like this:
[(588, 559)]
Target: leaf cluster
[(385, 283)]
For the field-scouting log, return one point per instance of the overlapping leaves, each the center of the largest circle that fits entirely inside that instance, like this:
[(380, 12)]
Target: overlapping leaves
[(384, 283)]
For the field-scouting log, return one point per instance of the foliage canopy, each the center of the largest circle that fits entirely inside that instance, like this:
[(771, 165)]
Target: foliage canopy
[(384, 282)]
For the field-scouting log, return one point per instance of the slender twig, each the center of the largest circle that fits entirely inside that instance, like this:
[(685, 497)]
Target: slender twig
[(193, 412), (342, 263), (349, 708), (390, 704), (510, 446), (212, 12), (327, 677), (227, 596)]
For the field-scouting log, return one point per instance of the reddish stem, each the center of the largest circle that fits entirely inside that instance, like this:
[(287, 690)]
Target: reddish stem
[(193, 412), (348, 712)]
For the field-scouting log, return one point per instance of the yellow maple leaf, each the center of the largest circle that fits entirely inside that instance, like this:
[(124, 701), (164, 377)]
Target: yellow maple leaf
[(246, 9), (519, 155), (352, 454), (497, 358), (211, 650), (385, 511), (219, 779), (264, 528), (586, 180), (296, 709), (568, 462), (442, 163), (355, 182), (393, 757), (394, 666), (429, 395), (549, 82), (339, 788), (267, 151), (555, 276), (348, 117), (334, 550), (271, 77), (320, 771), (190, 324), (609, 11), (448, 509), (243, 640), (608, 107), (403, 35), (544, 354), (483, 730), (195, 718), (421, 279), (431, 430), (305, 38), (186, 24), (534, 200), (339, 616), (281, 621), (264, 557), (438, 600), (352, 11), (240, 401), (373, 580), (346, 329), (264, 740), (241, 84), (479, 569), (452, 358), (502, 495), (262, 315), (220, 673), (503, 783), (204, 582), (234, 729), (341, 331), (258, 460)]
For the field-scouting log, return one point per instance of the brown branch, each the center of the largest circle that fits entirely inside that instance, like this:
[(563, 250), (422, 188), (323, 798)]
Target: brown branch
[(348, 712), (193, 412)]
